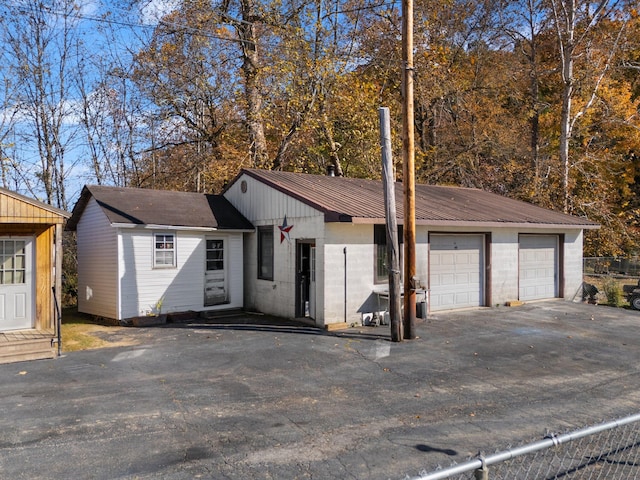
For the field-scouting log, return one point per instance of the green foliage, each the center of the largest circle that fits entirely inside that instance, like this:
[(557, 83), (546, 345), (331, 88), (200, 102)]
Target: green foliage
[(613, 291), (70, 270)]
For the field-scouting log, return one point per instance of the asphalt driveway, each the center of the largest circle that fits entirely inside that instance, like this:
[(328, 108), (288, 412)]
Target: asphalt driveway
[(258, 398)]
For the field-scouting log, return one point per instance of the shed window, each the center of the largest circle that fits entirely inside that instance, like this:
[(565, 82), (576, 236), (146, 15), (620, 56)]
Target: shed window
[(381, 261), (164, 250), (12, 262), (215, 255), (265, 252)]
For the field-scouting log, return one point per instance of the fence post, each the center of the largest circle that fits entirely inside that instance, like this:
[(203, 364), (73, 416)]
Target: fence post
[(482, 473)]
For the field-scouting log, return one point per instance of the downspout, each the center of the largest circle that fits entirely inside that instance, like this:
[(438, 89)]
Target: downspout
[(345, 284), (57, 280), (58, 321)]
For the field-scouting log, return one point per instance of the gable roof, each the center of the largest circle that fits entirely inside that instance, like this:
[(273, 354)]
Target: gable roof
[(355, 200), (141, 206), (33, 203)]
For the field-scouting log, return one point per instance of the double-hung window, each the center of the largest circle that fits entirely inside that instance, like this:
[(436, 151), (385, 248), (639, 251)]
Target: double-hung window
[(265, 252), (164, 251), (381, 259)]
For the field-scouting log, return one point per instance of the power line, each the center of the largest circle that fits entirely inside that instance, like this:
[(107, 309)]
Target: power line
[(194, 30)]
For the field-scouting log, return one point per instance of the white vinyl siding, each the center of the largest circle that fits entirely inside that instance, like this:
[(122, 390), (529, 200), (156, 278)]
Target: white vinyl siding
[(262, 205), (97, 263), (149, 290)]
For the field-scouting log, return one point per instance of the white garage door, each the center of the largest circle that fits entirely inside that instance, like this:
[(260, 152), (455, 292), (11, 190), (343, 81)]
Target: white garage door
[(538, 268), (456, 273)]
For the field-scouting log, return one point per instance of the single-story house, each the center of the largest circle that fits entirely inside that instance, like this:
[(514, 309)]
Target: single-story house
[(30, 277), (319, 246), (144, 253)]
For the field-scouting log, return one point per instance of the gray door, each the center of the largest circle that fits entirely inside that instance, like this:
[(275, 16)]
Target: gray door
[(215, 277)]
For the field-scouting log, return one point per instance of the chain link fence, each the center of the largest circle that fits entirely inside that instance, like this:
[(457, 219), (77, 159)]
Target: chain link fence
[(625, 266), (612, 280), (608, 451)]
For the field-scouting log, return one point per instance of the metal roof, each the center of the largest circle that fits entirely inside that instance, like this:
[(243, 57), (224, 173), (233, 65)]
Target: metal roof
[(362, 201), (141, 206)]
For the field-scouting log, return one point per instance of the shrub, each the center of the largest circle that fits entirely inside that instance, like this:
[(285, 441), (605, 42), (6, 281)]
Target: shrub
[(613, 290)]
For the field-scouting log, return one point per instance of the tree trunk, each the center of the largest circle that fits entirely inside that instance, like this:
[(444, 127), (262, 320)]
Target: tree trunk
[(250, 68)]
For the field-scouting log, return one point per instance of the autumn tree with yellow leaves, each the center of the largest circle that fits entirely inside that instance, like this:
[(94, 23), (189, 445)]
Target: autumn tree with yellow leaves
[(533, 99)]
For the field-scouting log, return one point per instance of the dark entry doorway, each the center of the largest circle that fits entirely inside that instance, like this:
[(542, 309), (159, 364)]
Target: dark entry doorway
[(305, 278)]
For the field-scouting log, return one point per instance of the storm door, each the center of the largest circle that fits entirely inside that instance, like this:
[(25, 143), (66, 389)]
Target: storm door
[(215, 277), (16, 283), (305, 278)]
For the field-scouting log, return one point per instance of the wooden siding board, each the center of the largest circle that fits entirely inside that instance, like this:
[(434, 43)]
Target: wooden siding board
[(97, 264), (22, 216), (22, 228), (13, 210), (44, 271)]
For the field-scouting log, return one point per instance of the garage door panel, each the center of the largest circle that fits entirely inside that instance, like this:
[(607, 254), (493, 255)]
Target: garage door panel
[(447, 259), (538, 267), (446, 279), (463, 279), (455, 271)]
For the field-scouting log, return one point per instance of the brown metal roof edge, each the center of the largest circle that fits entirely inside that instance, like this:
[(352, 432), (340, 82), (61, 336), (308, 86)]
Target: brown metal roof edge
[(468, 223), (335, 216), (253, 173), (35, 203)]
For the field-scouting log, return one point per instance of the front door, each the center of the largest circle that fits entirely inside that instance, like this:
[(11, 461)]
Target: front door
[(16, 283), (215, 278), (305, 279)]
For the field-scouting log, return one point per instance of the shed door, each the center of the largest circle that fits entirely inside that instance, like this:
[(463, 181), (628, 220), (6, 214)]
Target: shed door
[(215, 278), (538, 267), (456, 273), (16, 283)]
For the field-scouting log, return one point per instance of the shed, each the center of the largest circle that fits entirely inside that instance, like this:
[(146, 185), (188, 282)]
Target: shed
[(319, 248), (30, 277), (146, 253)]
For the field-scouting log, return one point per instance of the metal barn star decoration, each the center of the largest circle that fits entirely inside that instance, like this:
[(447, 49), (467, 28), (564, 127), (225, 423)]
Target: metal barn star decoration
[(284, 230)]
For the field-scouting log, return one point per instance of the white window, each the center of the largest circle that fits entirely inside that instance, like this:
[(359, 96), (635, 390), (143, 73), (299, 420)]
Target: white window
[(215, 255), (164, 252), (12, 262)]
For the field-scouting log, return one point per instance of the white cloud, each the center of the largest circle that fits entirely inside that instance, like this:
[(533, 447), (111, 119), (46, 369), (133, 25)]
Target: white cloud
[(152, 11)]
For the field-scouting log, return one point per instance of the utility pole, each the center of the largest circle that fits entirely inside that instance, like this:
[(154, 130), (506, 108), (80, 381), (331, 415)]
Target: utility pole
[(393, 262), (409, 179)]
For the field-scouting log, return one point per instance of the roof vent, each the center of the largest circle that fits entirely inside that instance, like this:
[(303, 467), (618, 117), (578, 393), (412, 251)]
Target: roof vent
[(331, 170)]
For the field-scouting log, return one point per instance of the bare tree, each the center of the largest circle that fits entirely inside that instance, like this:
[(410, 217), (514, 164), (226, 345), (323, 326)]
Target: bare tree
[(574, 23), (39, 39)]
